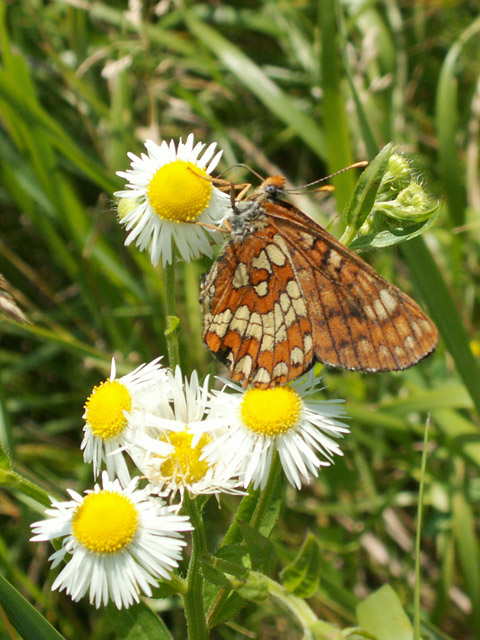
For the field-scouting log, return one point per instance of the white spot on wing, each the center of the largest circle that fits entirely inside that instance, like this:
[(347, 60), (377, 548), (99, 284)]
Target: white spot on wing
[(240, 319), (244, 366), (296, 356), (221, 322), (307, 342), (293, 289), (261, 261), (388, 300), (240, 277), (261, 289), (276, 255), (380, 310), (280, 369), (262, 376)]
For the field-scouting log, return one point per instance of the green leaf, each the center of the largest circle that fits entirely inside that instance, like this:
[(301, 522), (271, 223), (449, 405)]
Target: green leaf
[(363, 196), (254, 589), (302, 576), (23, 616), (466, 539), (446, 118), (382, 615), (335, 117), (137, 623), (261, 550), (173, 323), (252, 76), (463, 433), (215, 576), (234, 559), (5, 463), (444, 312)]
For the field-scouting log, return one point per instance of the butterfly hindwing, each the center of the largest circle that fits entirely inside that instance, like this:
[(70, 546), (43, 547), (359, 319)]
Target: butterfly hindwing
[(360, 320)]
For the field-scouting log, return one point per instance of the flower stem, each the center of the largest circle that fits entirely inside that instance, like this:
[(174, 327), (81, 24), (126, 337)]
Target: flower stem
[(254, 508), (193, 598), (171, 335), (267, 496)]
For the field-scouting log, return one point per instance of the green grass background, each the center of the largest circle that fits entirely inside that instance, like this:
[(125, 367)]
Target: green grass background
[(297, 88)]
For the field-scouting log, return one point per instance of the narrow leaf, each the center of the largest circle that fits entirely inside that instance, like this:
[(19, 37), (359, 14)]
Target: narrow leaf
[(27, 621), (259, 84), (363, 196), (302, 576)]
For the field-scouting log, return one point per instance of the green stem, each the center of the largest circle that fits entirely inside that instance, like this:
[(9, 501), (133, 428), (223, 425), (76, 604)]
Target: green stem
[(193, 598), (171, 335), (266, 497), (253, 508), (416, 596)]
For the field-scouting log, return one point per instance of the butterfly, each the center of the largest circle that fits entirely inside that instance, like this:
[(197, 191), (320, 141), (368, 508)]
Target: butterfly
[(285, 293)]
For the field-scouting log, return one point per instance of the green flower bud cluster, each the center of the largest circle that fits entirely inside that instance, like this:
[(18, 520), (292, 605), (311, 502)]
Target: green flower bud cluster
[(389, 206)]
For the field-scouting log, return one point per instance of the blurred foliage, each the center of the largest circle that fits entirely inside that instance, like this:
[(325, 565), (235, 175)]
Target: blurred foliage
[(297, 88)]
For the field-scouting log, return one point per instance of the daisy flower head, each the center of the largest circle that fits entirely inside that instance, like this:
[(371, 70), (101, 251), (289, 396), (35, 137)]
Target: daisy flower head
[(303, 429), (113, 412), (172, 189), (184, 424), (121, 542)]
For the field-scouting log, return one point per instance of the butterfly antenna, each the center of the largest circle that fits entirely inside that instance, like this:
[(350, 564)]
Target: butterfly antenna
[(245, 166), (355, 165)]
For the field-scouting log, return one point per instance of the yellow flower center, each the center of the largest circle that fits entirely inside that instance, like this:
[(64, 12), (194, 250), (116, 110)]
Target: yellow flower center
[(184, 464), (105, 522), (104, 409), (179, 191), (271, 412)]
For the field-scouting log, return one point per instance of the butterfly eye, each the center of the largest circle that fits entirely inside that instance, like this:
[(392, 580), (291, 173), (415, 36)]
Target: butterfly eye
[(273, 191)]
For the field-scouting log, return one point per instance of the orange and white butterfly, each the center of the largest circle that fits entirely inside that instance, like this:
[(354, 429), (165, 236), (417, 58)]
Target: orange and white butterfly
[(284, 293)]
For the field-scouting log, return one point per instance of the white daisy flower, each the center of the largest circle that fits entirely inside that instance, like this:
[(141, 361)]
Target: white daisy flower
[(113, 412), (185, 425), (171, 190), (121, 542), (284, 418)]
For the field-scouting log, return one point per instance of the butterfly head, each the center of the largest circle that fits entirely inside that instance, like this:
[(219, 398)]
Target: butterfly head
[(248, 214), (272, 189)]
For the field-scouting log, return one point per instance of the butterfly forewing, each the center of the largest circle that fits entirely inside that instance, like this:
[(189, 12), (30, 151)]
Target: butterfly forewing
[(251, 319), (284, 292)]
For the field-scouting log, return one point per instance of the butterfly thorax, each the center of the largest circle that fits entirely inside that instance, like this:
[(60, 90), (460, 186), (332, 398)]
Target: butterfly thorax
[(249, 215)]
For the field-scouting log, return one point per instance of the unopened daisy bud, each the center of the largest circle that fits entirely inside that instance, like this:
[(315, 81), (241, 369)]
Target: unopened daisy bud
[(411, 205), (122, 541), (396, 177), (126, 206), (114, 411), (172, 189), (414, 198)]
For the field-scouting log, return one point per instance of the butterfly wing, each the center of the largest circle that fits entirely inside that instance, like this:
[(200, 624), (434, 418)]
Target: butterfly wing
[(252, 321), (359, 319), (287, 292)]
